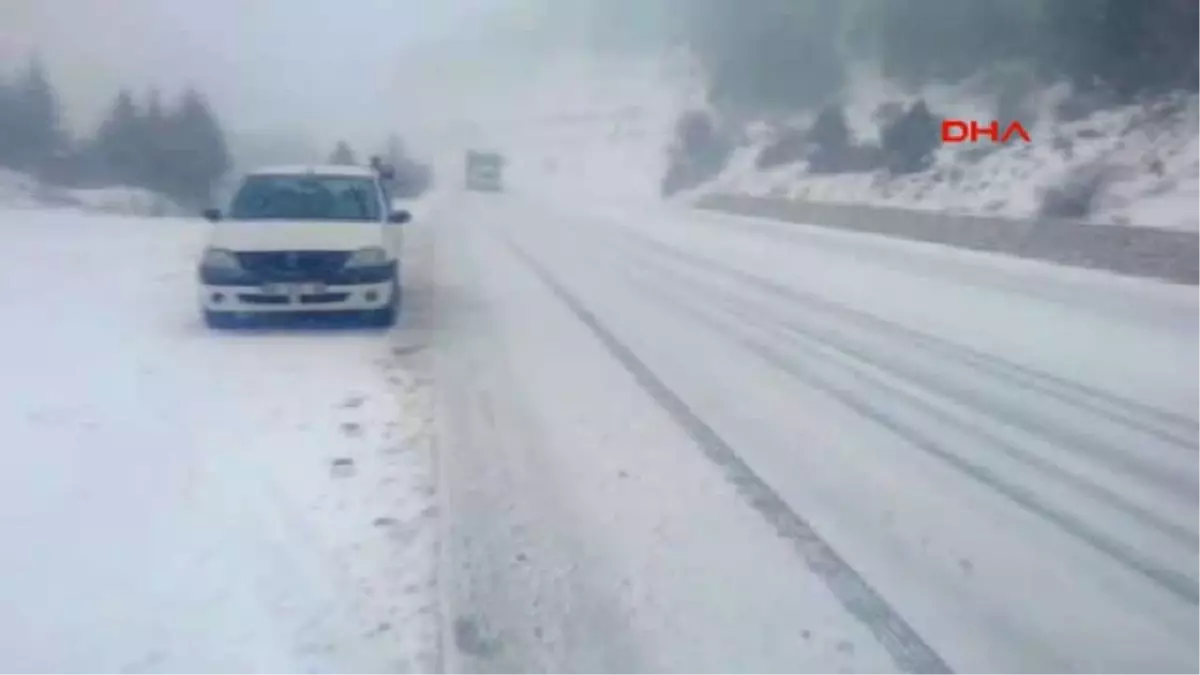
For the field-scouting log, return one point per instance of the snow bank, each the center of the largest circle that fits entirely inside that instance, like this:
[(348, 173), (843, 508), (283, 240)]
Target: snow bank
[(182, 501), (17, 190), (20, 191)]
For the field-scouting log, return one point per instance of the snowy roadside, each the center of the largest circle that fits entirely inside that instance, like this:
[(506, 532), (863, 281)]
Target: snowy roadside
[(23, 192), (179, 500)]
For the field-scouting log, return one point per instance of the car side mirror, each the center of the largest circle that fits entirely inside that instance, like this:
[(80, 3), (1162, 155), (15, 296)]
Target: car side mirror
[(400, 217), (212, 215)]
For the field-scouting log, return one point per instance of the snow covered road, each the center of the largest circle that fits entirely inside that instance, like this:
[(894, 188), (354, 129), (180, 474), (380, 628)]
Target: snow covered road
[(691, 442), (177, 500), (653, 440)]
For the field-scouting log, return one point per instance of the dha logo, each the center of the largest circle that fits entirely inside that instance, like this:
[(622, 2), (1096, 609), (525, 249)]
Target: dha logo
[(969, 131)]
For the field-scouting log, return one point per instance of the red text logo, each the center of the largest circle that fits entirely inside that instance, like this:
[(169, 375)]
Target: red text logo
[(969, 131)]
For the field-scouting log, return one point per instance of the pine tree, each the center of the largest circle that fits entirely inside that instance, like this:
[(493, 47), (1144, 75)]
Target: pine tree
[(910, 141), (342, 154), (154, 144), (197, 150), (8, 137), (1174, 36), (117, 146), (34, 124)]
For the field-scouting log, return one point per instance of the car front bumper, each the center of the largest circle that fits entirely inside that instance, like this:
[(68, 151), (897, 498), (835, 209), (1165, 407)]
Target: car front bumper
[(357, 291), (254, 299)]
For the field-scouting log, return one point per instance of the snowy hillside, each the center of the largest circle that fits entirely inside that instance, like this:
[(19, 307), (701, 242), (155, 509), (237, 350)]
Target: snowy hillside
[(1148, 155), (20, 191), (602, 127)]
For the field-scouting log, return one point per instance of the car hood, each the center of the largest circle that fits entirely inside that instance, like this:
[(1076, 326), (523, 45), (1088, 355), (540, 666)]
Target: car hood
[(286, 235)]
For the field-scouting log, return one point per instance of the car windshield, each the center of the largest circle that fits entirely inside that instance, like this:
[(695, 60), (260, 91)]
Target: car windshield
[(306, 198)]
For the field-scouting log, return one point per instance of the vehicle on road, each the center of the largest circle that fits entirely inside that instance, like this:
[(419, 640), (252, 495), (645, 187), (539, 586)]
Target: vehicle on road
[(485, 171), (303, 241)]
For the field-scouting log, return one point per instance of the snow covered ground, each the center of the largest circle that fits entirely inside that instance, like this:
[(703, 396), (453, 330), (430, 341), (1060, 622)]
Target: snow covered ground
[(20, 191), (175, 500), (689, 442), (640, 439)]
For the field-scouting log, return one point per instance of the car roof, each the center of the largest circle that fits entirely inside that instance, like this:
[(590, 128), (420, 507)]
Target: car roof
[(338, 170)]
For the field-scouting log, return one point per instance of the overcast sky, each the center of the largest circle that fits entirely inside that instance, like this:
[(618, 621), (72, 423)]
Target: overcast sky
[(267, 64)]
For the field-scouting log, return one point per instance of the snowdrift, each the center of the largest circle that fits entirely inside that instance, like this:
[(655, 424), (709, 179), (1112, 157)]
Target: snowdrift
[(20, 191)]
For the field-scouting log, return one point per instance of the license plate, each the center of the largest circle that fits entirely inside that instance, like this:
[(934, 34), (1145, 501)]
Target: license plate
[(293, 289)]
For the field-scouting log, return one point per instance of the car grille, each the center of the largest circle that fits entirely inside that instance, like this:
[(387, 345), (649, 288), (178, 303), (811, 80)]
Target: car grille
[(293, 264), (317, 299)]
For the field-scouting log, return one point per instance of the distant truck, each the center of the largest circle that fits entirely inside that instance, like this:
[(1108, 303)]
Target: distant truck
[(485, 171)]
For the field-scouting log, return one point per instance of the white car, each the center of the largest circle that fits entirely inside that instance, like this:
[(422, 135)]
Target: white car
[(300, 241)]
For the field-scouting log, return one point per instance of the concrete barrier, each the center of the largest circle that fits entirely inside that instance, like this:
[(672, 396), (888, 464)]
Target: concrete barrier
[(1136, 251)]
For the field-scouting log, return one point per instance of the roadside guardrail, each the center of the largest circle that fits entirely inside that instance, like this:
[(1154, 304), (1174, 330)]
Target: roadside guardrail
[(1171, 255)]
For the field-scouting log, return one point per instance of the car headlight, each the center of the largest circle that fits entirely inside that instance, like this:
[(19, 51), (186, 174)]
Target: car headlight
[(220, 259), (367, 257)]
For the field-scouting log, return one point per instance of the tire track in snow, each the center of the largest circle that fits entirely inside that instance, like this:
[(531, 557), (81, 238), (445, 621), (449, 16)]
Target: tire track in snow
[(1176, 429), (1177, 583), (512, 594), (1173, 430), (692, 300), (907, 648), (845, 347)]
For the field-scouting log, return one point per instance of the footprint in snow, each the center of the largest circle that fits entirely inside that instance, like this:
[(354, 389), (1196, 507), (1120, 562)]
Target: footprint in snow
[(396, 530), (352, 429), (342, 467), (383, 627), (469, 638), (353, 402), (405, 350)]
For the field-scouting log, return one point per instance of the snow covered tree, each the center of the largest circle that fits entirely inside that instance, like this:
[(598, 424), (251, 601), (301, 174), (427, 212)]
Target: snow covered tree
[(7, 138), (117, 143), (154, 144), (910, 141), (180, 152), (32, 120), (194, 150)]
